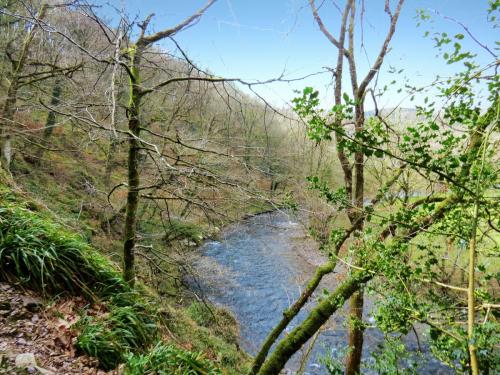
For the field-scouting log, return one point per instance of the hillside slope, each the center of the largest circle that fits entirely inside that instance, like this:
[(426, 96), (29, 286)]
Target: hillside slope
[(64, 302)]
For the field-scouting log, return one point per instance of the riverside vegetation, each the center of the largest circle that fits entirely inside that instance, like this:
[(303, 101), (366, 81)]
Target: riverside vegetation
[(119, 157)]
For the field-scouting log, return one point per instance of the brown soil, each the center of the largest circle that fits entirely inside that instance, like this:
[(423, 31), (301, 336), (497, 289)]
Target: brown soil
[(29, 326)]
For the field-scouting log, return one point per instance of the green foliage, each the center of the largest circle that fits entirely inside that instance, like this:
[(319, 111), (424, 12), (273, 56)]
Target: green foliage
[(454, 146), (494, 6), (486, 338), (179, 230), (452, 350), (338, 197), (334, 362), (318, 127), (321, 124), (170, 360), (394, 313), (39, 254), (393, 358), (127, 328)]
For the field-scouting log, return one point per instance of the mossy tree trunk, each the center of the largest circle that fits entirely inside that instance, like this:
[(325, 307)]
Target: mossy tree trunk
[(8, 113), (50, 122), (354, 283), (134, 127), (9, 107), (136, 94), (316, 318), (289, 314)]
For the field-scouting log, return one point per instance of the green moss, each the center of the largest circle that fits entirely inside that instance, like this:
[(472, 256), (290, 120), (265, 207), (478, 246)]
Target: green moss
[(178, 230), (217, 320), (205, 339)]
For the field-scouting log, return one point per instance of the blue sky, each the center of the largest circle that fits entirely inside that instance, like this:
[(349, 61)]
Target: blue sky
[(260, 39)]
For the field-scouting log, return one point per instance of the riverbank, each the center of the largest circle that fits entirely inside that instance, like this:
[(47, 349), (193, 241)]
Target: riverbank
[(258, 267)]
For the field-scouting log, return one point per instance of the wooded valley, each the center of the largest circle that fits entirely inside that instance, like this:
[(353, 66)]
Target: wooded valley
[(131, 175)]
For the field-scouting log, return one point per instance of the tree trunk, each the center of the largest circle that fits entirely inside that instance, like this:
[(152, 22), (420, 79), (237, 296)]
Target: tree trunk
[(317, 317), (133, 168), (356, 329), (471, 300), (51, 118), (132, 202), (136, 92), (353, 360), (113, 139), (9, 110)]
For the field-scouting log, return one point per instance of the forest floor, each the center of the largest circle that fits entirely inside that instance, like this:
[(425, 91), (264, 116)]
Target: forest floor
[(36, 335)]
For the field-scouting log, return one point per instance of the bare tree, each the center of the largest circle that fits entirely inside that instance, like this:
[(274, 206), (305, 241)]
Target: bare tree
[(355, 189), (137, 93), (353, 170), (28, 67)]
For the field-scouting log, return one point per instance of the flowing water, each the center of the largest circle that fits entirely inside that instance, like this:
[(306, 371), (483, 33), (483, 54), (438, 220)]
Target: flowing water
[(257, 269)]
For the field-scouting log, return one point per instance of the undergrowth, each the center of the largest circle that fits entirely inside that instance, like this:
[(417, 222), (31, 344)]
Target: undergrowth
[(130, 326), (170, 360), (218, 320), (39, 254), (36, 253)]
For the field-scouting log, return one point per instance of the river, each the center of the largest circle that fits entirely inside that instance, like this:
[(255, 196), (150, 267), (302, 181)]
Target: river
[(258, 267)]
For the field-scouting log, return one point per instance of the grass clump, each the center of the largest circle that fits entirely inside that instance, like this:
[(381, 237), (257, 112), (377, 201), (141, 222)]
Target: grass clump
[(170, 360), (97, 341), (40, 255), (126, 329)]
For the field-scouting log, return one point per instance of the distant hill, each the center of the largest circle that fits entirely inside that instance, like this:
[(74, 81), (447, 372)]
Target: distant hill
[(397, 115)]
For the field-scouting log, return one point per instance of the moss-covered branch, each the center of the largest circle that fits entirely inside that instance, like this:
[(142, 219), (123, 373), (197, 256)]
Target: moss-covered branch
[(317, 317), (322, 312)]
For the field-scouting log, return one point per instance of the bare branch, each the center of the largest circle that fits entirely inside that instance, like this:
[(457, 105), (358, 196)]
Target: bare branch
[(147, 40)]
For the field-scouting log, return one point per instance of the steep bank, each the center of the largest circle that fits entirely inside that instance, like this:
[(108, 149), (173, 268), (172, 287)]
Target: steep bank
[(103, 317)]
